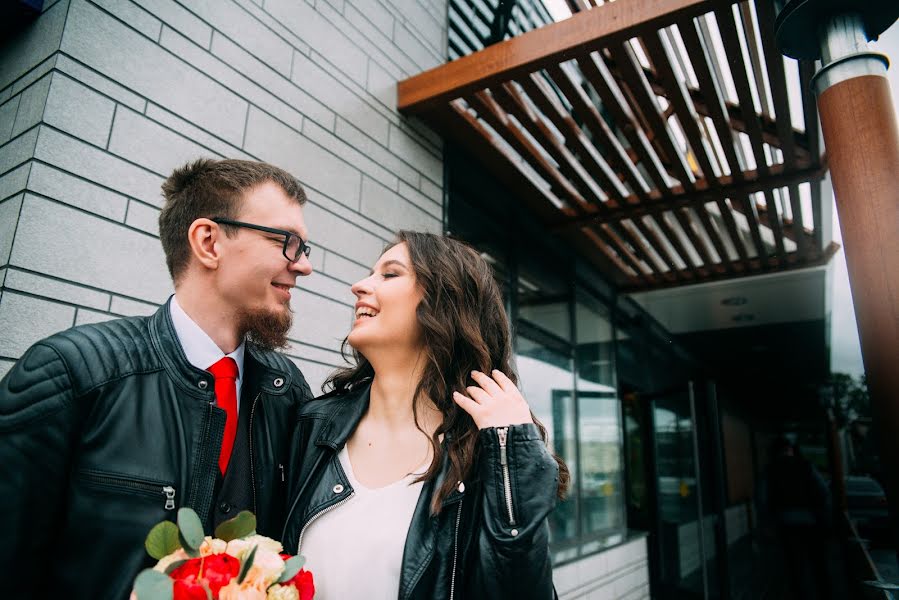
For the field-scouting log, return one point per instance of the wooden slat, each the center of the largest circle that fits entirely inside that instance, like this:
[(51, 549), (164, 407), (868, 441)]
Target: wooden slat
[(774, 224), (731, 41), (799, 235), (810, 109), (777, 80), (756, 269), (649, 106), (735, 116), (751, 213), (729, 188), (661, 58), (493, 115), (539, 48), (700, 61), (545, 99), (511, 101), (755, 57), (600, 78), (589, 115)]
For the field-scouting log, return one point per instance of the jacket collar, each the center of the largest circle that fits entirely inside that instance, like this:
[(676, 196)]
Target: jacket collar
[(198, 382), (348, 411)]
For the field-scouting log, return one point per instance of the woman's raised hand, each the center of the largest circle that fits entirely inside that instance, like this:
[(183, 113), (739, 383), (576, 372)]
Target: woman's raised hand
[(494, 402)]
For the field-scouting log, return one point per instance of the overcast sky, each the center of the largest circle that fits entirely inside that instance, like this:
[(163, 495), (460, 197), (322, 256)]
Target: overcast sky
[(845, 352)]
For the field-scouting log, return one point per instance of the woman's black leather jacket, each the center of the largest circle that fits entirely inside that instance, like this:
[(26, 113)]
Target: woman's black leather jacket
[(490, 540)]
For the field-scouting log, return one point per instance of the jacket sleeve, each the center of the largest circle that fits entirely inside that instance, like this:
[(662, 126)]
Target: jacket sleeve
[(37, 428), (520, 479)]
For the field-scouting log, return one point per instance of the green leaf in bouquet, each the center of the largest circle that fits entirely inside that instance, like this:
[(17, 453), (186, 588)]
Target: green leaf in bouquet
[(153, 585), (240, 526), (162, 540), (174, 565), (291, 568), (246, 564), (191, 530)]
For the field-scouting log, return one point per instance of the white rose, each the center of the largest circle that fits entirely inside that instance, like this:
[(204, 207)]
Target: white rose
[(212, 545), (265, 542), (283, 592), (165, 561), (267, 566)]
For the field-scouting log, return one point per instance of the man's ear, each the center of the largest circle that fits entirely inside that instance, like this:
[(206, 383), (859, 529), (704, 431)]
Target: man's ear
[(203, 236)]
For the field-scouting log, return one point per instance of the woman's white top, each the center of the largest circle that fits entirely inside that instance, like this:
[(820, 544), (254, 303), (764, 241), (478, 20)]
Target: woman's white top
[(356, 550)]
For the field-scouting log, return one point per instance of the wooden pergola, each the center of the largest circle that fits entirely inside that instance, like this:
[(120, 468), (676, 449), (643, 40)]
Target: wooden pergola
[(657, 136)]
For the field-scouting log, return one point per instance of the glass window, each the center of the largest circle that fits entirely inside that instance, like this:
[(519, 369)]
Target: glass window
[(546, 378), (599, 424)]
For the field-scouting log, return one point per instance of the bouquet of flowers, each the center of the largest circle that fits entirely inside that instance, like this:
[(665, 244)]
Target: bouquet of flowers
[(236, 564)]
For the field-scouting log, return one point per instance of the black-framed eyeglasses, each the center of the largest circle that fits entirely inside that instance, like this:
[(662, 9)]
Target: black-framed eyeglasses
[(294, 245)]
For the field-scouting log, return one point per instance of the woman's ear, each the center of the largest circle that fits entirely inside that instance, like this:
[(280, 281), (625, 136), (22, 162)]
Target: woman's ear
[(203, 236)]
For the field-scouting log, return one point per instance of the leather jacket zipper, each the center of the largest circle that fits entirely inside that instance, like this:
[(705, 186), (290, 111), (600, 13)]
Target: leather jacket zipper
[(134, 484), (327, 509), (252, 461), (502, 433), (455, 551)]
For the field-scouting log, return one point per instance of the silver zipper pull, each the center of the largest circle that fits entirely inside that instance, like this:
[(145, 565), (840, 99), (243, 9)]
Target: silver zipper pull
[(169, 492), (502, 432), (280, 466)]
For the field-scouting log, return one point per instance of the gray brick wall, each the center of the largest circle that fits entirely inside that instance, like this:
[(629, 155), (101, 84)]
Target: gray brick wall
[(101, 99)]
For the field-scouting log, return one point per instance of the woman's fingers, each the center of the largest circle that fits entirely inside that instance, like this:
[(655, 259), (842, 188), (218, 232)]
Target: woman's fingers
[(506, 384), (478, 395), (468, 405), (489, 385)]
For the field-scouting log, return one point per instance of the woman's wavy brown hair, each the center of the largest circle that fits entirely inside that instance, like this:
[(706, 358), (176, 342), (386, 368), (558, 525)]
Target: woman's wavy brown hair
[(464, 328)]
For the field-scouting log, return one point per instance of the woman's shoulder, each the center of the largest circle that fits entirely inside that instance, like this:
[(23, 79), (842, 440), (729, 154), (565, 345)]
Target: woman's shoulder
[(326, 405)]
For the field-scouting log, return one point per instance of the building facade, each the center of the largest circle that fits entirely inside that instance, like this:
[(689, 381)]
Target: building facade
[(101, 99)]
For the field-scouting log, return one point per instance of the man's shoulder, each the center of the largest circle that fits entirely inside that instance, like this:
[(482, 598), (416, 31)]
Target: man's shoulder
[(99, 352), (280, 363)]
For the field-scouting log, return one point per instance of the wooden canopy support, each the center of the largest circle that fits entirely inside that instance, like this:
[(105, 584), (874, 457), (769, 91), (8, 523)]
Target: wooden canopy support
[(658, 133)]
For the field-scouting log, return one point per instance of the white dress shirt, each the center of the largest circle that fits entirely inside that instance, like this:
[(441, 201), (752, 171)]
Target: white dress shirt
[(199, 348)]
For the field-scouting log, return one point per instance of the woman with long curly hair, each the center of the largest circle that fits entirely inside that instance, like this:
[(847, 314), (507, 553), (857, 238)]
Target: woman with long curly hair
[(423, 473)]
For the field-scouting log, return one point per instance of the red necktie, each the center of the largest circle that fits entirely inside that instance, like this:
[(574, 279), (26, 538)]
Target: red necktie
[(225, 373)]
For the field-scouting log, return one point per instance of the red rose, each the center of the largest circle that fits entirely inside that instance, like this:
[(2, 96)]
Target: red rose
[(302, 581), (218, 571), (304, 584)]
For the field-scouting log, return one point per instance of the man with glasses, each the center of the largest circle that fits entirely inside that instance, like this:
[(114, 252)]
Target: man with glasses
[(107, 429)]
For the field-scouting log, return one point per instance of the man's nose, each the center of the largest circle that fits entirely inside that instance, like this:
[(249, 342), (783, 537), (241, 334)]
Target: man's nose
[(302, 266)]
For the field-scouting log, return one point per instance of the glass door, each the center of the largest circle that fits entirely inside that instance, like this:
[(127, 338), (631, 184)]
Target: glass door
[(685, 519)]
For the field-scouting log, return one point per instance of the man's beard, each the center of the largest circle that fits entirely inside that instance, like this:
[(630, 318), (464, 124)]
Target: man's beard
[(264, 328)]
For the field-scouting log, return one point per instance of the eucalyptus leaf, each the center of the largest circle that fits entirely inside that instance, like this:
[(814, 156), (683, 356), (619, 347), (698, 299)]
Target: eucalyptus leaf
[(162, 540), (153, 585), (191, 529), (246, 564), (242, 525), (208, 591), (174, 565), (191, 552), (291, 568)]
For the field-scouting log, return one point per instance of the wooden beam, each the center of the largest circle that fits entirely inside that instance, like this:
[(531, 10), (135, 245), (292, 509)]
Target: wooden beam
[(729, 188), (536, 49), (793, 263)]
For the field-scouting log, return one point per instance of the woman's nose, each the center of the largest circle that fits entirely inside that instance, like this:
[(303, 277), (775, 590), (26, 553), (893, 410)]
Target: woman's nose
[(361, 287)]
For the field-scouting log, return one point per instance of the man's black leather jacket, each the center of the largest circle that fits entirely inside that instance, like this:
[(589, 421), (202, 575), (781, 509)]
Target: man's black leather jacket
[(490, 540), (107, 429)]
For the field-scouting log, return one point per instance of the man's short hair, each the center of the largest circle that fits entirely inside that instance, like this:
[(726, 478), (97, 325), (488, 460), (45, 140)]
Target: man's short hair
[(211, 188)]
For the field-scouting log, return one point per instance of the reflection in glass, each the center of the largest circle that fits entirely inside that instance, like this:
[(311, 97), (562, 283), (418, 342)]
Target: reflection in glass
[(546, 383)]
